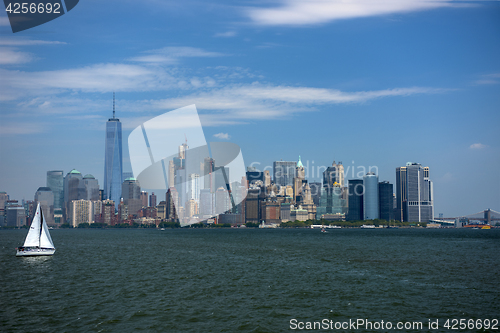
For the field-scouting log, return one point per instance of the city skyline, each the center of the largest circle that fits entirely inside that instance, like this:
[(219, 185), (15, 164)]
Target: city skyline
[(409, 84)]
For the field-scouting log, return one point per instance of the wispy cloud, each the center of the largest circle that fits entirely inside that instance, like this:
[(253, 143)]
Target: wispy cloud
[(27, 42), (10, 56), (477, 146), (489, 79), (269, 102), (223, 136), (226, 34), (307, 12), (172, 54)]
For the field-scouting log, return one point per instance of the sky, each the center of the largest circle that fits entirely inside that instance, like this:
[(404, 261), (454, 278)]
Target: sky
[(368, 83)]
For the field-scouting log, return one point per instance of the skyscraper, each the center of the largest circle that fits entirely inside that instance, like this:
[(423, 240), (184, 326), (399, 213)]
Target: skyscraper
[(45, 197), (131, 190), (386, 201), (370, 197), (284, 172), (74, 189), (356, 191), (55, 181), (419, 187), (113, 168), (334, 174), (91, 188)]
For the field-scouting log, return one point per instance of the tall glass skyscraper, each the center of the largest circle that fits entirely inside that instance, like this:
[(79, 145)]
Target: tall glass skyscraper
[(414, 193), (55, 183), (370, 197), (113, 166)]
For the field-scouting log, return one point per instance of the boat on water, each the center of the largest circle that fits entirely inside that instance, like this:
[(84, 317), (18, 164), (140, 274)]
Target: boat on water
[(323, 231), (38, 241), (367, 226)]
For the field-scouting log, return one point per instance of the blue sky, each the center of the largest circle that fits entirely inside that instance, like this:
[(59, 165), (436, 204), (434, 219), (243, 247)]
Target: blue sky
[(362, 82)]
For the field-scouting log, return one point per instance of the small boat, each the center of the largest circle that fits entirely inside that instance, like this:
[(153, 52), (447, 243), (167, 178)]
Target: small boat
[(323, 231), (367, 226), (38, 241)]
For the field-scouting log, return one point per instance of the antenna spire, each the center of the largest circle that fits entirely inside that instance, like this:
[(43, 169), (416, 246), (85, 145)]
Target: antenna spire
[(113, 105)]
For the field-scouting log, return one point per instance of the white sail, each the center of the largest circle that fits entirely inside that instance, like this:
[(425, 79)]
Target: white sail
[(45, 240), (33, 238)]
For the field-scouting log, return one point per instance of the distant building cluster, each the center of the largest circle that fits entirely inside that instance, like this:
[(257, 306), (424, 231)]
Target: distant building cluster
[(204, 194)]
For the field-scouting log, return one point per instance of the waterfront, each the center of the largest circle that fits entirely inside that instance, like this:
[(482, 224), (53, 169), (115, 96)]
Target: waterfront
[(239, 280)]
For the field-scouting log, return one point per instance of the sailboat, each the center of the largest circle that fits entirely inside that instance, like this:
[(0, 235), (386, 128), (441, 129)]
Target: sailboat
[(38, 241)]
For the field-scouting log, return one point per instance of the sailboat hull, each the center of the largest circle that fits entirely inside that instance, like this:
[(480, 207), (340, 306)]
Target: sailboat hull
[(34, 252)]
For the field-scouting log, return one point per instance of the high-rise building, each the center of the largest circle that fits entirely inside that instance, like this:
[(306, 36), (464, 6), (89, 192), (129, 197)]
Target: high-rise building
[(74, 189), (4, 197), (315, 192), (194, 187), (55, 181), (152, 200), (284, 172), (331, 202), (206, 202), (113, 165), (298, 181), (370, 197), (222, 201), (419, 193), (144, 198), (91, 188), (82, 211), (131, 192), (401, 194), (386, 201), (45, 197), (334, 175), (171, 199), (356, 191)]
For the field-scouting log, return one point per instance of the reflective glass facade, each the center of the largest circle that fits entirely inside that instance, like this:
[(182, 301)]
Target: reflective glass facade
[(113, 168)]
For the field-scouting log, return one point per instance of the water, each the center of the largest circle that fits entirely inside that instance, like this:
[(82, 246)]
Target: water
[(246, 280)]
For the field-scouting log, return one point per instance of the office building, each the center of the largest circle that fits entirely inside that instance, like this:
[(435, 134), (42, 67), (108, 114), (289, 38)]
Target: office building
[(370, 197), (55, 181), (91, 188), (113, 165), (334, 175), (355, 193), (131, 192), (82, 211), (386, 201), (284, 172), (74, 189), (45, 197), (419, 193), (194, 187), (152, 200)]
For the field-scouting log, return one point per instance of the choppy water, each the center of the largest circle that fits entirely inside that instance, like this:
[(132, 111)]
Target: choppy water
[(246, 280)]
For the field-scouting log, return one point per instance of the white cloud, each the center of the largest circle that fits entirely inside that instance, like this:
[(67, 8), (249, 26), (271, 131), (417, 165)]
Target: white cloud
[(477, 146), (171, 54), (10, 56), (223, 136), (489, 79), (225, 34), (95, 78), (306, 12), (27, 42)]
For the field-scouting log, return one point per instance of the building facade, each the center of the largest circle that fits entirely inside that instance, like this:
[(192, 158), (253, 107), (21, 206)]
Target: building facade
[(113, 165), (370, 197)]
